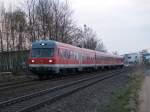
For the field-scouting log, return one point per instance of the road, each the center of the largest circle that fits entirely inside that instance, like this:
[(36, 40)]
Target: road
[(145, 94)]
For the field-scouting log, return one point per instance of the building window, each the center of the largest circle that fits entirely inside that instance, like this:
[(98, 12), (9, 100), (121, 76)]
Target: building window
[(129, 57)]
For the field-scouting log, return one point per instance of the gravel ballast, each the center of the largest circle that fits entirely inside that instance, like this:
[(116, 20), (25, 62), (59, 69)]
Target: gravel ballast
[(91, 99), (40, 85)]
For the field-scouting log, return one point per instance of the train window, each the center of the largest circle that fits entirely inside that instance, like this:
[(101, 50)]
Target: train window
[(58, 51), (77, 56), (71, 54), (80, 56), (87, 58), (74, 55), (66, 54), (42, 52), (61, 52), (83, 57)]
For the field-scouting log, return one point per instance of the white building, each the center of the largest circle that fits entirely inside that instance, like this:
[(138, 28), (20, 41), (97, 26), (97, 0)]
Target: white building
[(147, 59), (132, 58)]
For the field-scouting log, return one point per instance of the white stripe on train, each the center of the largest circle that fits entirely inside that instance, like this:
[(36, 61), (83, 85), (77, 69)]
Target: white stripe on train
[(71, 65)]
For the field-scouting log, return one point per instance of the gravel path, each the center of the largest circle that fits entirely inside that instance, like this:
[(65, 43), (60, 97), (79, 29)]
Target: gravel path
[(145, 94), (92, 99)]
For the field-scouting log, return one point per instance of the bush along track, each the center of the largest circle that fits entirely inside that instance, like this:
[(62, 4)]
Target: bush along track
[(126, 98)]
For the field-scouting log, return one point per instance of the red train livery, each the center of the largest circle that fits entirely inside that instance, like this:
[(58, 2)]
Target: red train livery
[(50, 57)]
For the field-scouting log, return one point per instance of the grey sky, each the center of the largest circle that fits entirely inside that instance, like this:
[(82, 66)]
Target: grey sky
[(123, 25)]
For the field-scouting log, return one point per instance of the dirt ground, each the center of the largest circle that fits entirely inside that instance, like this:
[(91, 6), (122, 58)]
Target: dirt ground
[(145, 94)]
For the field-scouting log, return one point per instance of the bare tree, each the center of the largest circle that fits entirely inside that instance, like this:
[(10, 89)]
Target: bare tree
[(12, 27), (21, 24), (88, 39), (115, 53), (2, 12), (44, 19), (17, 23), (100, 46), (31, 19), (6, 20), (54, 18), (1, 41)]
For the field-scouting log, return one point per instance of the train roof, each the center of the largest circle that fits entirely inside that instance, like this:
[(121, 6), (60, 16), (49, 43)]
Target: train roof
[(44, 44), (52, 43)]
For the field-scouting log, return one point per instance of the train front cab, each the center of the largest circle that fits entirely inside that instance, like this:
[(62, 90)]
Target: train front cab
[(42, 58)]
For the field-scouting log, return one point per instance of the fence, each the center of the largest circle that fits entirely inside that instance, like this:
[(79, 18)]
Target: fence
[(14, 61)]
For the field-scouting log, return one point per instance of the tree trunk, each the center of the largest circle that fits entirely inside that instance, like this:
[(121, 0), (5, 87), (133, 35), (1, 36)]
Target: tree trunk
[(20, 40), (1, 41), (7, 42)]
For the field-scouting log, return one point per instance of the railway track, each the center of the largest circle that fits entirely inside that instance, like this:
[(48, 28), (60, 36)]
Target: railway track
[(45, 84), (20, 84), (15, 82), (12, 85), (38, 99)]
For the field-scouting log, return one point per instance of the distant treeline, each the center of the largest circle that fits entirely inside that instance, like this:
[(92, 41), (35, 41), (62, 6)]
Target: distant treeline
[(43, 19)]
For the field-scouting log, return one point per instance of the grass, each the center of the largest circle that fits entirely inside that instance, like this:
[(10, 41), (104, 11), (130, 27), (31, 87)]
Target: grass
[(126, 99)]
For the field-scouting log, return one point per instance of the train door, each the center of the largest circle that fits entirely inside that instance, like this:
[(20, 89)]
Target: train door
[(80, 60), (95, 60)]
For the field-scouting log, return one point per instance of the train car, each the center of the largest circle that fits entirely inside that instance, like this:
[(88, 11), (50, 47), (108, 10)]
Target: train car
[(49, 57), (107, 60)]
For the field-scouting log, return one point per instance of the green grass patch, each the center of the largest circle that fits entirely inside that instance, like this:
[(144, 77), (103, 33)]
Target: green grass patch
[(126, 98), (120, 101)]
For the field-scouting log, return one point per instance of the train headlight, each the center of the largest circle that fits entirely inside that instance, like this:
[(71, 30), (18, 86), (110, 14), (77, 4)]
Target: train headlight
[(32, 61), (42, 44), (50, 61)]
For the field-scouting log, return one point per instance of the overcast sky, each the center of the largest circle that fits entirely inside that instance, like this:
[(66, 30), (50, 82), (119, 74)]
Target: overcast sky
[(123, 25)]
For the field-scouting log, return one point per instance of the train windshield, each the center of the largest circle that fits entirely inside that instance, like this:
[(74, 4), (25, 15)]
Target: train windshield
[(42, 52)]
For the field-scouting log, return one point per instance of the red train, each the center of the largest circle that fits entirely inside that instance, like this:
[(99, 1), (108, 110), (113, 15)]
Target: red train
[(49, 57)]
